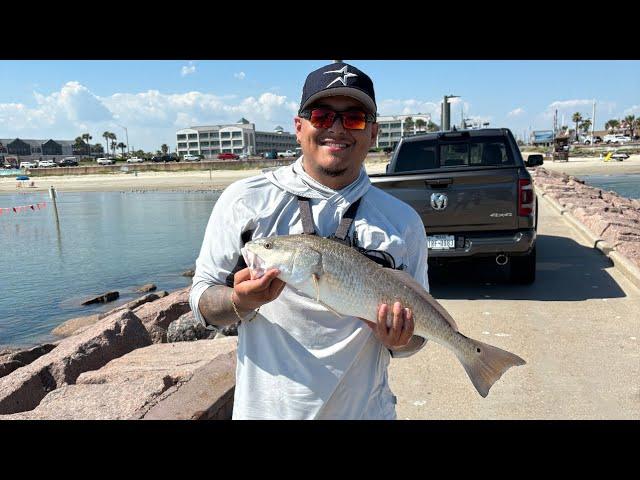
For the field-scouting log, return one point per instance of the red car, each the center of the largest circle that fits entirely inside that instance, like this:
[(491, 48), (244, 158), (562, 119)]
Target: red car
[(228, 156)]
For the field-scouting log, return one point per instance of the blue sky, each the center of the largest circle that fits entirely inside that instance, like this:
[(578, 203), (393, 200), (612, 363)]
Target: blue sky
[(153, 99)]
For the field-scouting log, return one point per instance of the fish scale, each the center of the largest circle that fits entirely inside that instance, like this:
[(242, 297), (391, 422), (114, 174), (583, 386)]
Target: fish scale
[(349, 284)]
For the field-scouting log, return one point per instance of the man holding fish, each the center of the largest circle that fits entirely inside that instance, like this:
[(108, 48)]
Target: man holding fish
[(321, 317)]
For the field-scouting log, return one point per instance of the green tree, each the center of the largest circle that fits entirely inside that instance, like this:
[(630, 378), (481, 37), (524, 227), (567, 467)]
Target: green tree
[(612, 124), (407, 127), (577, 118), (113, 146), (630, 120), (78, 146), (107, 135), (87, 138), (586, 125), (122, 146), (432, 127), (165, 148), (420, 124)]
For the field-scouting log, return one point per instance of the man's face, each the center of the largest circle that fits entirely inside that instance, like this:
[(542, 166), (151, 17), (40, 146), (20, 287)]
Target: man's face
[(334, 155)]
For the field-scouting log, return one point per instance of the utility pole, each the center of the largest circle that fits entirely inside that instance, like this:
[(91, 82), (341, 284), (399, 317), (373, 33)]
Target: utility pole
[(445, 115), (593, 120)]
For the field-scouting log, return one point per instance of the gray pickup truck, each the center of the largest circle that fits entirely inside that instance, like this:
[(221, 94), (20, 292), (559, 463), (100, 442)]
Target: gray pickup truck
[(473, 193)]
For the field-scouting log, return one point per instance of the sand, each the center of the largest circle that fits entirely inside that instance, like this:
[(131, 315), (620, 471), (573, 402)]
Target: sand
[(200, 180)]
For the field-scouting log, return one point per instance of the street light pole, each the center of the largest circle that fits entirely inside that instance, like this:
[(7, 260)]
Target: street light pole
[(446, 112)]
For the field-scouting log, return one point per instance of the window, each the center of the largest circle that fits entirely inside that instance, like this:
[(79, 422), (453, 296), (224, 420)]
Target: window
[(225, 134), (182, 145), (204, 144), (237, 135), (416, 156), (193, 136), (182, 137), (193, 144), (204, 134)]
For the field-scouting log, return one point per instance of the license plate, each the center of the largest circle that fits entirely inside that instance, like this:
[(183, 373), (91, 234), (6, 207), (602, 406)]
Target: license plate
[(441, 242)]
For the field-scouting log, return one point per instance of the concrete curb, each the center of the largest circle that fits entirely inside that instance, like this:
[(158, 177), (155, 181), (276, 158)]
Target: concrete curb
[(622, 263)]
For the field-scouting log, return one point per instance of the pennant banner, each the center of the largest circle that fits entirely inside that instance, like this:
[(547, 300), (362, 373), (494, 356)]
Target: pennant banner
[(22, 208)]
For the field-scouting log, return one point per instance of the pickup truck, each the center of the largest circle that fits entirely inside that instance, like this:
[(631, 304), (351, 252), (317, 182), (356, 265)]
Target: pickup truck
[(474, 194), (287, 154)]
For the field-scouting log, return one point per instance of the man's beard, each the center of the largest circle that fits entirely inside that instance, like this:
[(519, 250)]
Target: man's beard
[(333, 172)]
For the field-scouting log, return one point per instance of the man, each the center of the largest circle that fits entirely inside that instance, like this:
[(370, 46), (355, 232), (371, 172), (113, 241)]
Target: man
[(296, 359)]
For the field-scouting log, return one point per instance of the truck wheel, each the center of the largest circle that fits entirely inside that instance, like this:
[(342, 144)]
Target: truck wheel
[(523, 269)]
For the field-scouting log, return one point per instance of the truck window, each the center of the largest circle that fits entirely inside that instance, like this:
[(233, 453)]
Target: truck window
[(416, 156)]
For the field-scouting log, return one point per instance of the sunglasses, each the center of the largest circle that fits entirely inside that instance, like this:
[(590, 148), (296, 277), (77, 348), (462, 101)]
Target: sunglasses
[(351, 119)]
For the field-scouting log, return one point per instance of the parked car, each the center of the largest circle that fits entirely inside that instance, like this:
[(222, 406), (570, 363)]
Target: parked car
[(228, 156), (617, 138), (68, 162), (135, 160), (28, 165), (47, 164), (244, 156), (588, 140), (191, 158), (165, 158), (272, 154), (105, 161)]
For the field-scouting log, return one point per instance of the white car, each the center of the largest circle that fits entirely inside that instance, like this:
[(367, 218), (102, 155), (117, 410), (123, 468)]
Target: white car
[(47, 163), (28, 165), (616, 139), (191, 158), (105, 161), (135, 160)]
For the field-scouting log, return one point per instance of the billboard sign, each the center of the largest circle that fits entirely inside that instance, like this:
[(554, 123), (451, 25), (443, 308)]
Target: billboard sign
[(542, 136)]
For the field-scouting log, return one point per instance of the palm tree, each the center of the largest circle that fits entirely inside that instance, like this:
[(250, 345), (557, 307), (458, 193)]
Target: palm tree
[(612, 124), (586, 125), (78, 145), (432, 127), (420, 124), (122, 146), (165, 148), (113, 146), (577, 118), (630, 121), (107, 135), (407, 126), (86, 137)]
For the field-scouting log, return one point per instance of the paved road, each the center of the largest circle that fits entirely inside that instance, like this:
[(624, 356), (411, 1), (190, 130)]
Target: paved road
[(577, 326)]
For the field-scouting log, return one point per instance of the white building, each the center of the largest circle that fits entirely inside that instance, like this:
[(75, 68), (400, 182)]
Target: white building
[(237, 138), (392, 128)]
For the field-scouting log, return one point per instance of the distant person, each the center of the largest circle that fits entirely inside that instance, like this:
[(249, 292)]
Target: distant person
[(296, 359)]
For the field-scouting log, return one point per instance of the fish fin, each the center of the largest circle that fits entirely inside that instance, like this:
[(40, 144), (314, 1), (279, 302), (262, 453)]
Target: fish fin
[(487, 365), (316, 283), (330, 309), (412, 283)]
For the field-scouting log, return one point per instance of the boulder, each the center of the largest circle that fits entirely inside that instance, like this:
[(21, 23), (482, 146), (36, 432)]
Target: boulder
[(104, 298), (157, 316), (188, 273), (76, 325), (110, 338), (187, 329), (20, 358), (182, 381), (149, 287)]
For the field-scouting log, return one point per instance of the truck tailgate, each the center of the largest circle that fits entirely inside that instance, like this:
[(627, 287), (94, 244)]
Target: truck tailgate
[(476, 199)]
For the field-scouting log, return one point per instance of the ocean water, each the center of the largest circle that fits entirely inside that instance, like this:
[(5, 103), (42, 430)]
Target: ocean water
[(625, 185), (105, 241)]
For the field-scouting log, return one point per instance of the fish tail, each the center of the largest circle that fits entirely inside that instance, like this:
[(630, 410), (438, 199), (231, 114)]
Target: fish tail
[(487, 364)]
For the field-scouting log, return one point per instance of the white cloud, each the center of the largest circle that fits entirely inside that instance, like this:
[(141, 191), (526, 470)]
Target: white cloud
[(188, 69), (516, 112), (632, 110), (240, 75), (151, 117), (409, 107)]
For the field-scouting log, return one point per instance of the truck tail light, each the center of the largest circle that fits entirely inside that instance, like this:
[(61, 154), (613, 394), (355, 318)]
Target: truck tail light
[(525, 197)]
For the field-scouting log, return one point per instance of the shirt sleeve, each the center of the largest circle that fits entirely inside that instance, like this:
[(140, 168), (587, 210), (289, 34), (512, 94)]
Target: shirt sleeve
[(221, 245), (417, 267)]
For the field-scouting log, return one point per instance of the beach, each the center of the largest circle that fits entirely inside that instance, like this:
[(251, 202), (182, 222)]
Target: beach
[(219, 179)]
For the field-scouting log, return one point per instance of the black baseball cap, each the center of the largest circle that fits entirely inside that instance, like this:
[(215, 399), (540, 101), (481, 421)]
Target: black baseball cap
[(339, 78)]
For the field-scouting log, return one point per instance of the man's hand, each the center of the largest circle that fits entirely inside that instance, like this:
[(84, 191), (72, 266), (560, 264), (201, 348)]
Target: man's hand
[(401, 330), (249, 294)]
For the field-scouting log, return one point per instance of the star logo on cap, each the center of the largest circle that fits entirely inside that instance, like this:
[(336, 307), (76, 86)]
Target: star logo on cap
[(343, 79)]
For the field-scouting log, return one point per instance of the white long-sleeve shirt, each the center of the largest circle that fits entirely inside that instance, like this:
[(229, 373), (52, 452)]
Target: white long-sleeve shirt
[(296, 359)]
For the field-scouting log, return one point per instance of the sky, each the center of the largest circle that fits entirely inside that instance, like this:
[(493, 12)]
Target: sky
[(152, 99)]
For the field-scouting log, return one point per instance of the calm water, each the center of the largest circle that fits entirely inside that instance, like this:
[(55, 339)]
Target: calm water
[(107, 241), (625, 185)]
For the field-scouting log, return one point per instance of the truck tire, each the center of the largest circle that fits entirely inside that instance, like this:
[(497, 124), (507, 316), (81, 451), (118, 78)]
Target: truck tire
[(523, 269)]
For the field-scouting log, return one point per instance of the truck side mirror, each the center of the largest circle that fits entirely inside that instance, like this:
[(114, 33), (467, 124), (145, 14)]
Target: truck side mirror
[(534, 160), (387, 168)]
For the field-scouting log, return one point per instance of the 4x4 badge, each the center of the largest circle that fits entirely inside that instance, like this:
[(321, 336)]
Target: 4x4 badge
[(439, 201)]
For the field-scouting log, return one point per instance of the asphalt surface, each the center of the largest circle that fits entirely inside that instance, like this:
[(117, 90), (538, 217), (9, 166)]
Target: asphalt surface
[(577, 327)]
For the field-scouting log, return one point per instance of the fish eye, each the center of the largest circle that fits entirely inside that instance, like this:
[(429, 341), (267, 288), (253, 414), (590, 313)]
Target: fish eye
[(268, 245)]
